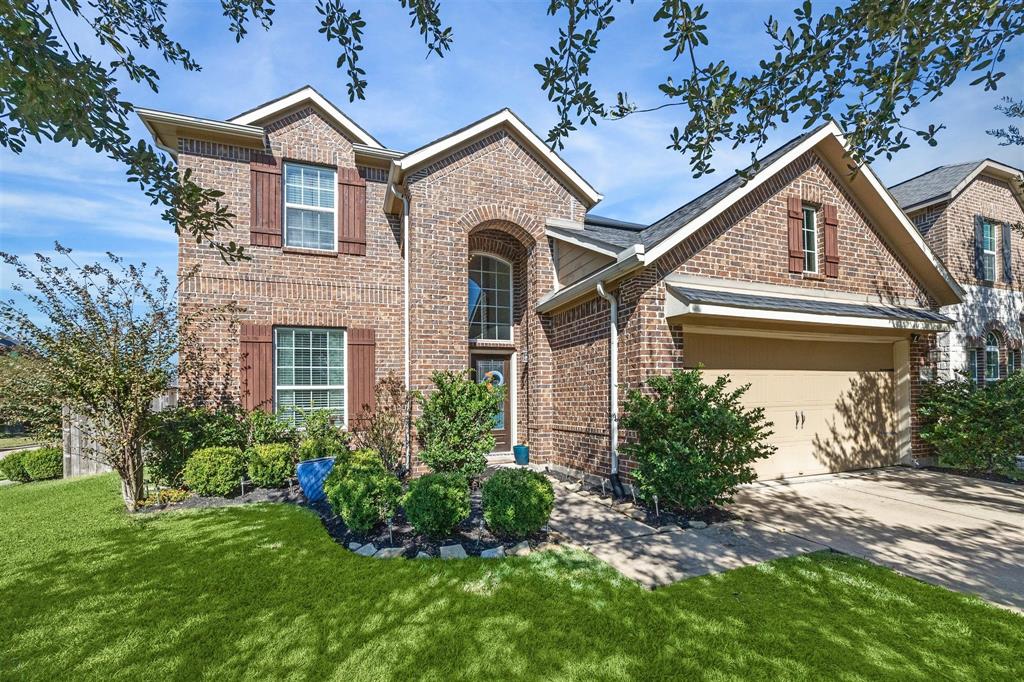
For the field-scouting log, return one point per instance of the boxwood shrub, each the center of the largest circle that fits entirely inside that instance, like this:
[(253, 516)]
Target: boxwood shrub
[(214, 471), (43, 463), (271, 465), (362, 492), (436, 503), (517, 502), (12, 469)]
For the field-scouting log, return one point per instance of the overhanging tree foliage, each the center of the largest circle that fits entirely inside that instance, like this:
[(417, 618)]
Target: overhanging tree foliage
[(106, 339)]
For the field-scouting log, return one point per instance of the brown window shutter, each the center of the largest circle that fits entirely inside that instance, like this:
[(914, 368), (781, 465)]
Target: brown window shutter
[(257, 366), (795, 221), (831, 212), (351, 212), (265, 206), (362, 375)]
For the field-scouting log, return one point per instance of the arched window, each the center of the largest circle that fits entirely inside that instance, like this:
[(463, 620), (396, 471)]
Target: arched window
[(490, 298), (991, 357)]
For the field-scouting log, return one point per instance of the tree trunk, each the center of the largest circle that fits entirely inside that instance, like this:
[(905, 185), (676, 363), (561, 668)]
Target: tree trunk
[(131, 481)]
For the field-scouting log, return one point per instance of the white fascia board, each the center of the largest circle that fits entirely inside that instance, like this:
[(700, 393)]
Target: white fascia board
[(507, 118), (307, 93), (376, 152), (629, 260), (762, 176), (583, 241), (676, 308), (152, 118)]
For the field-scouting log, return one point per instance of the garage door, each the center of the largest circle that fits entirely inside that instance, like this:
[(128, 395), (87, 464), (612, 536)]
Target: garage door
[(831, 402)]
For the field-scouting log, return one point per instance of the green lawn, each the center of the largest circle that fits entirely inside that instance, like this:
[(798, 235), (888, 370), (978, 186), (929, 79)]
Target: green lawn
[(261, 592), (15, 441)]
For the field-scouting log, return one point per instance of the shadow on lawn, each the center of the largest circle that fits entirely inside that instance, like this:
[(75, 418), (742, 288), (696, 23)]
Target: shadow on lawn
[(263, 592)]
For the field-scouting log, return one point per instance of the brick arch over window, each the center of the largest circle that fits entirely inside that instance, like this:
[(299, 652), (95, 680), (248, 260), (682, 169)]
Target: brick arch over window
[(504, 218), (1007, 337)]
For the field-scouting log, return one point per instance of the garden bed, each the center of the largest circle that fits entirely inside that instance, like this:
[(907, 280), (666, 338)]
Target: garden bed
[(998, 478)]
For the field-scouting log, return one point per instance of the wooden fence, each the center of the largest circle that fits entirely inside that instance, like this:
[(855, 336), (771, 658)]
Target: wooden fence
[(81, 455)]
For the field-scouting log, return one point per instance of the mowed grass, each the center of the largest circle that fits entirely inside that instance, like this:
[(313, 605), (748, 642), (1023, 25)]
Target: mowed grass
[(16, 441), (261, 592)]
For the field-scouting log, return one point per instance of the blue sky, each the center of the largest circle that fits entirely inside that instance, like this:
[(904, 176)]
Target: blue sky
[(56, 192)]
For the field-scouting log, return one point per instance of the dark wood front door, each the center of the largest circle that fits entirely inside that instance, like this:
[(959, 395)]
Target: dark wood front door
[(495, 368)]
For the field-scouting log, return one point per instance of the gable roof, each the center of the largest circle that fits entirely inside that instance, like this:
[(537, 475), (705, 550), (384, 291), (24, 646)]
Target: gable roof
[(307, 94), (946, 182), (828, 140), (444, 146)]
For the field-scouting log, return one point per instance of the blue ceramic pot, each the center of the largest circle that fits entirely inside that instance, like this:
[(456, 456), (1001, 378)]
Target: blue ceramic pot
[(522, 454), (312, 473)]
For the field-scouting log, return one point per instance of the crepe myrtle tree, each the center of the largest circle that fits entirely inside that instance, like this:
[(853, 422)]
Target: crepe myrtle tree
[(865, 63), (106, 338)]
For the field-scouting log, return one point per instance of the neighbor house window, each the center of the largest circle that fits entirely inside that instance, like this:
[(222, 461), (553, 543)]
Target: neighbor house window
[(309, 198), (991, 357), (309, 372), (490, 299), (988, 250), (810, 233)]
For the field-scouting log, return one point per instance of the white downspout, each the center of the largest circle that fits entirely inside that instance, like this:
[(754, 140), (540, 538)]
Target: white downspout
[(613, 374), (405, 315)]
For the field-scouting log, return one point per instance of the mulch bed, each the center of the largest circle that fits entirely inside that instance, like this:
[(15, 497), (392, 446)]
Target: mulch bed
[(999, 478)]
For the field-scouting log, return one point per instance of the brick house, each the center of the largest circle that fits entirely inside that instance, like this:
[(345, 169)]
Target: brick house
[(967, 213), (479, 250)]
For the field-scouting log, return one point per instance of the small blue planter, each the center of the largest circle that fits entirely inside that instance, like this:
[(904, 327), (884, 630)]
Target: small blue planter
[(522, 454), (312, 473)]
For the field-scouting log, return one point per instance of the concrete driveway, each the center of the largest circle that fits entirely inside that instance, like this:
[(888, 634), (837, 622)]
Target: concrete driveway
[(965, 534)]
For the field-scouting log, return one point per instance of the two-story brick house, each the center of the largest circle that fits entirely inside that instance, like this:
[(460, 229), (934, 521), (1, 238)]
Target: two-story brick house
[(968, 213), (479, 250)]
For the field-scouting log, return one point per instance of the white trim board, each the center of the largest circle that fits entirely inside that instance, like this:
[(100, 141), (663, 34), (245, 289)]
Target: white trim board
[(308, 94)]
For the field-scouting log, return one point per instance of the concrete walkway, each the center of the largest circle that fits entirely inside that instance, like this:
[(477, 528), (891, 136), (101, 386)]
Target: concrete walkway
[(659, 557), (963, 533)]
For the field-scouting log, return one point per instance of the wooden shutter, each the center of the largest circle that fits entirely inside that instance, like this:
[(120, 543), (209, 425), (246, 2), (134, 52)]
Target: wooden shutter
[(1007, 252), (351, 212), (795, 220), (257, 366), (831, 214), (979, 247), (265, 206), (362, 375)]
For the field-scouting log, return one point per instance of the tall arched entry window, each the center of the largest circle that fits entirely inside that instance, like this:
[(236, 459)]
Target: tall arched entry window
[(991, 357), (490, 298)]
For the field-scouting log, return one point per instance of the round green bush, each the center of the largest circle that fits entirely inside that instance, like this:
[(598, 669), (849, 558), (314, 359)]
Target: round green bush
[(12, 469), (271, 464), (517, 502), (363, 493), (214, 471), (43, 463), (437, 503)]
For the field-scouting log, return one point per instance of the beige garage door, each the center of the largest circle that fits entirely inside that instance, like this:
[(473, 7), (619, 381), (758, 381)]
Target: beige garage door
[(831, 403)]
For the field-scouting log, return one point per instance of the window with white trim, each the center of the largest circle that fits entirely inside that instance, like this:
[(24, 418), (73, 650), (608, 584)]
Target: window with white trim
[(991, 357), (810, 235), (490, 299), (309, 372), (988, 250), (309, 207), (1013, 358), (972, 364)]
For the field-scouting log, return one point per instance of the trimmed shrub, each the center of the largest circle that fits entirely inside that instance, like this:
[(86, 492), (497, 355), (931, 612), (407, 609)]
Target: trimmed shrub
[(437, 503), (978, 428), (43, 463), (12, 469), (181, 431), (517, 502), (364, 493), (456, 424), (695, 442), (321, 438), (214, 471), (264, 428), (271, 464)]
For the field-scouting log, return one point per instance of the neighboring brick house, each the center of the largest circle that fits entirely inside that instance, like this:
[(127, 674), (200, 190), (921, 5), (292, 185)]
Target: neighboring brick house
[(478, 250), (971, 215)]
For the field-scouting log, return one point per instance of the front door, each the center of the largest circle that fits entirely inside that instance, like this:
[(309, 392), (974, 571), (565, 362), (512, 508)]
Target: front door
[(496, 370)]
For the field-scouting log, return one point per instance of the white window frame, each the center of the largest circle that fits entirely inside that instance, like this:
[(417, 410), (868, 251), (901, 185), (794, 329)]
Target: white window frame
[(511, 298), (990, 275), (286, 205), (973, 365), (814, 233), (1012, 360), (298, 387), (991, 348)]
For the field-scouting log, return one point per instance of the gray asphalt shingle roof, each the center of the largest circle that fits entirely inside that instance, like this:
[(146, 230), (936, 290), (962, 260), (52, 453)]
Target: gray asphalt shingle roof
[(617, 233), (934, 183), (801, 305)]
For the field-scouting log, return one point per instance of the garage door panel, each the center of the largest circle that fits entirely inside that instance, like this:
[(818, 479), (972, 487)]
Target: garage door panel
[(823, 420)]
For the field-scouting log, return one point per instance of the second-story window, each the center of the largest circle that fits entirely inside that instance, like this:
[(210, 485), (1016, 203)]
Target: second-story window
[(810, 235), (988, 250), (309, 207)]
